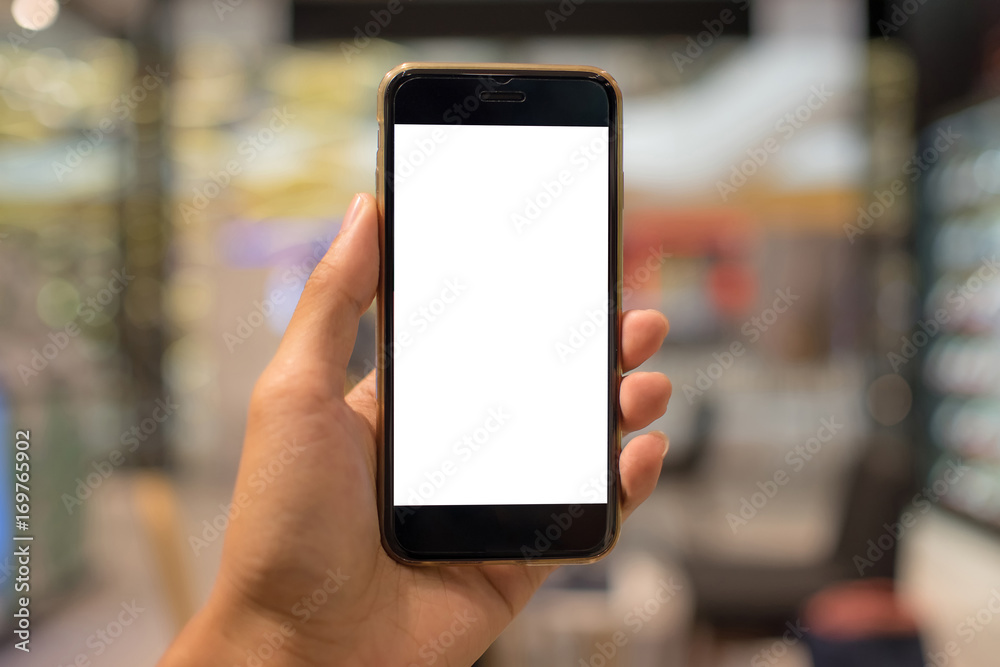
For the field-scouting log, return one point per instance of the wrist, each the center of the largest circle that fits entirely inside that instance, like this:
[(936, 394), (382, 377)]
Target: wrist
[(226, 633)]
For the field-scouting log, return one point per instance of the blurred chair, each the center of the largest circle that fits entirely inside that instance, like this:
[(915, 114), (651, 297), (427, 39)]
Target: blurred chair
[(862, 624), (729, 593), (628, 610)]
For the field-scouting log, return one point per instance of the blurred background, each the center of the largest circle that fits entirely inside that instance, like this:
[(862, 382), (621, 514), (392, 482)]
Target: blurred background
[(813, 197)]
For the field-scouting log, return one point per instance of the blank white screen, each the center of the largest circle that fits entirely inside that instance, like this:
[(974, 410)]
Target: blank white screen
[(500, 345)]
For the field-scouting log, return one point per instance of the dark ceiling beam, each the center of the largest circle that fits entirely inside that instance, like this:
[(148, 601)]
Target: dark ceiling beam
[(314, 20)]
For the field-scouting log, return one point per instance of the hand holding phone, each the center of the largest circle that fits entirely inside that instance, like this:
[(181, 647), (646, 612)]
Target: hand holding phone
[(302, 562)]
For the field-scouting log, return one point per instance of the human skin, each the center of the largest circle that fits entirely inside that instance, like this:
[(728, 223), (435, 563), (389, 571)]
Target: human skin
[(316, 536)]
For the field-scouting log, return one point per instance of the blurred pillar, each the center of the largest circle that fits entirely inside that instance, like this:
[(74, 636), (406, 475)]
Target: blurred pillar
[(146, 231)]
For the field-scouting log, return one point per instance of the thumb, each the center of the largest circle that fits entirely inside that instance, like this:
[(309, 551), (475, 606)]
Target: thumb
[(324, 325)]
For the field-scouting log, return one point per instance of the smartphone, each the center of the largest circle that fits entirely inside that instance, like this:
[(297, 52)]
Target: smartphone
[(500, 193)]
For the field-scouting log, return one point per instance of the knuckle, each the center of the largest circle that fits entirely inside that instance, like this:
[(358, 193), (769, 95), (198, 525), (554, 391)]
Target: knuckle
[(273, 385), (265, 391), (327, 280), (282, 389)]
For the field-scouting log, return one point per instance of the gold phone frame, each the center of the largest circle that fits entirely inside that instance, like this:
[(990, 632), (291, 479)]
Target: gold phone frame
[(502, 69)]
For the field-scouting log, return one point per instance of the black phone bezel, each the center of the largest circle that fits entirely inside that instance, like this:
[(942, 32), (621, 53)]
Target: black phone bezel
[(479, 533)]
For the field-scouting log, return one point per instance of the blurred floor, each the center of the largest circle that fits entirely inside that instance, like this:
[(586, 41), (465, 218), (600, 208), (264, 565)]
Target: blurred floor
[(122, 572), (948, 572)]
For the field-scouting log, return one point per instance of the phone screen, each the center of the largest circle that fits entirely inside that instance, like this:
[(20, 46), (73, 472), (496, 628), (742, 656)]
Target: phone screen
[(501, 306)]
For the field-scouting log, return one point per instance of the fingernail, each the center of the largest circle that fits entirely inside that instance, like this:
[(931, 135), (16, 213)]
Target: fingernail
[(352, 213), (666, 442)]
